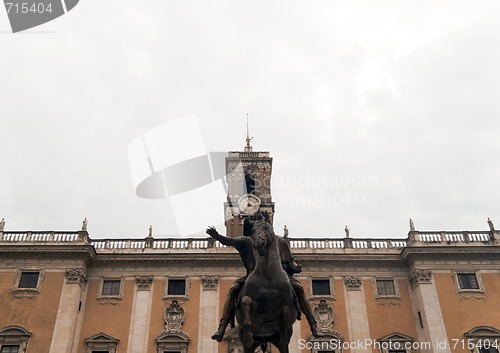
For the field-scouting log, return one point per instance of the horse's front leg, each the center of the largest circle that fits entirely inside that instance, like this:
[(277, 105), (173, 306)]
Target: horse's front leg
[(246, 309)]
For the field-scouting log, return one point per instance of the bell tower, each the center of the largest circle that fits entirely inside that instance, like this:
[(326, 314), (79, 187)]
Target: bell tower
[(248, 176)]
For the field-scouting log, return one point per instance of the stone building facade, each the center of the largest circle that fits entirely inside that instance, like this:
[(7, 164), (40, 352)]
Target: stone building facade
[(64, 292)]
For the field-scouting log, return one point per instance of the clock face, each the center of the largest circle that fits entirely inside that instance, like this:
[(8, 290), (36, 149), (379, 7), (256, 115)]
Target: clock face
[(249, 204)]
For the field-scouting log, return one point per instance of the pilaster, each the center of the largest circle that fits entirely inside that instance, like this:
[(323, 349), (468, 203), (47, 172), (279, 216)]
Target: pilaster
[(357, 317), (141, 311), (432, 327), (67, 314), (209, 314)]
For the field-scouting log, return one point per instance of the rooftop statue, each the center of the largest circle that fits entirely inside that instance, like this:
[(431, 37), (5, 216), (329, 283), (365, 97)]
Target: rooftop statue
[(267, 300), (412, 225), (490, 224), (84, 224)]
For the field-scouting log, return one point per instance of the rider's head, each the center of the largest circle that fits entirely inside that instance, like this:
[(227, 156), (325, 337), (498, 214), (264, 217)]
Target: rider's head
[(247, 228)]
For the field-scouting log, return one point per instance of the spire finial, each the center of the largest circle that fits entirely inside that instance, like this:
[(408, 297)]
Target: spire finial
[(248, 148)]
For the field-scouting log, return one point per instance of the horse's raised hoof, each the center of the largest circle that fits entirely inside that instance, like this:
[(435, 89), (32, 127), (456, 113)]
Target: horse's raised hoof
[(218, 336)]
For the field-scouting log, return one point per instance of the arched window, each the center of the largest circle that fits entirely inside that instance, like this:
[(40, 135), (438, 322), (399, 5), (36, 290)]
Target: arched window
[(483, 339), (14, 339)]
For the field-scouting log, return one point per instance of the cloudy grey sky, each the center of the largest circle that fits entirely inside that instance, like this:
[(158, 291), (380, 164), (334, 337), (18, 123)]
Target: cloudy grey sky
[(374, 111)]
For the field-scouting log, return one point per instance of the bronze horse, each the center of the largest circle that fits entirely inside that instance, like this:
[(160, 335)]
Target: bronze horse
[(266, 308)]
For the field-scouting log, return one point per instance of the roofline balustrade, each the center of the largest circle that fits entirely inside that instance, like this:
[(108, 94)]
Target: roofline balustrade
[(414, 239)]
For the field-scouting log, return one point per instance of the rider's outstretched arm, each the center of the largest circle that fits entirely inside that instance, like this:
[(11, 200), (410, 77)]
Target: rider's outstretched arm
[(222, 239)]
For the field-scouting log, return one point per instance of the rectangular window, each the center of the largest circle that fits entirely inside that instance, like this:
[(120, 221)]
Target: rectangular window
[(321, 287), (28, 280), (10, 349), (467, 281), (111, 287), (397, 351), (176, 287), (385, 287)]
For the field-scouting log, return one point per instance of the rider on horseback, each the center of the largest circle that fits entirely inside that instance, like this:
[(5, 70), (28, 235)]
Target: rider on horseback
[(245, 248)]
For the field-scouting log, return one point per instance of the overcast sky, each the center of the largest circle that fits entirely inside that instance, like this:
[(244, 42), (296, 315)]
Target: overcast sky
[(374, 111)]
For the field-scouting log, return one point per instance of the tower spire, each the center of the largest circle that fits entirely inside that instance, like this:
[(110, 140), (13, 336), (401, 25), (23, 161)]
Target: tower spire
[(248, 148)]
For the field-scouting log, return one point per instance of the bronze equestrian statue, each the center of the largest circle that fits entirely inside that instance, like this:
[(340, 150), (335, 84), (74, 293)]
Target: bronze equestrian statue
[(259, 236)]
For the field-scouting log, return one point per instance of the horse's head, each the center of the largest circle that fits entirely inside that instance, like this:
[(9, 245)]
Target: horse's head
[(262, 232)]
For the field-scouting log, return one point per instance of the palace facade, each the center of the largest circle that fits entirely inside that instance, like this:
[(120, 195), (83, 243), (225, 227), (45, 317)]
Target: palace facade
[(64, 292)]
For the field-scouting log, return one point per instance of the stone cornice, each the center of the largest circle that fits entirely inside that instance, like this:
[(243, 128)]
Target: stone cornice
[(86, 252), (171, 259), (355, 258), (411, 254), (233, 259), (229, 257)]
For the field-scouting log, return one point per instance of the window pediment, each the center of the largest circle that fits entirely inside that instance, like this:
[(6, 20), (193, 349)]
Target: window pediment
[(396, 337), (177, 341), (15, 335), (483, 331), (395, 342), (481, 339), (15, 332), (328, 342), (101, 337), (178, 337), (101, 341)]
